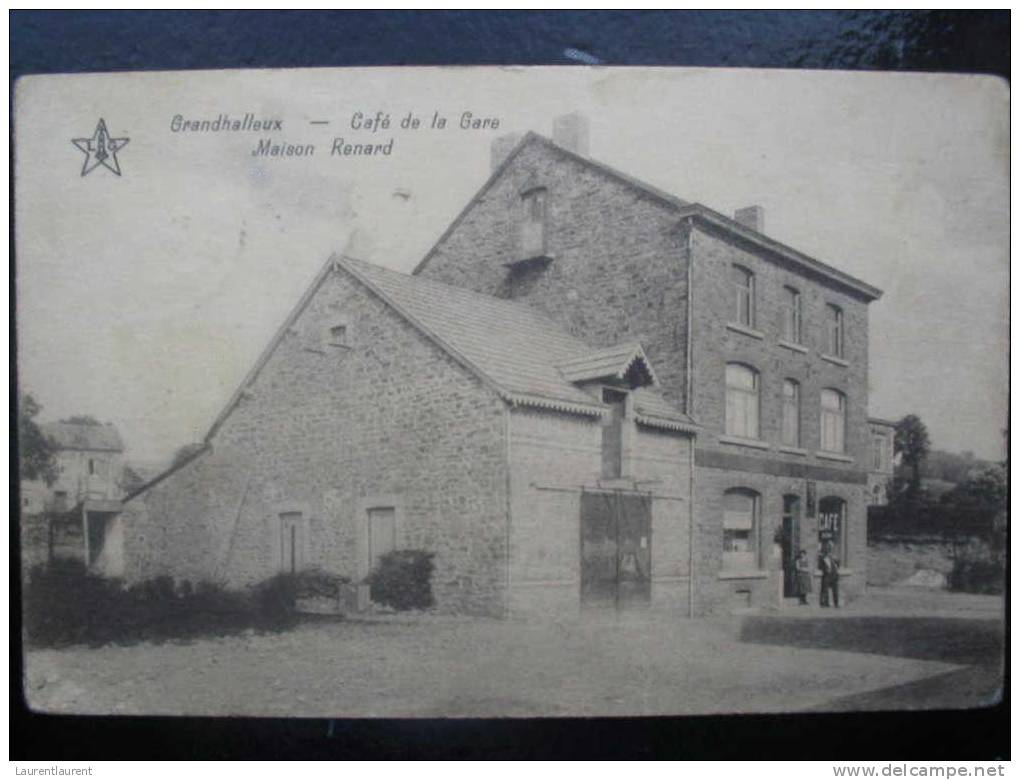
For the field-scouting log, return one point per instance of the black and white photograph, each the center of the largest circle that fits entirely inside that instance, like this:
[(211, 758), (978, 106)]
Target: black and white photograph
[(513, 392)]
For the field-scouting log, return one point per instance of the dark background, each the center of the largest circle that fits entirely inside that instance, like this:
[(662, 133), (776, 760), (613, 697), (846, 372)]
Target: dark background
[(68, 42)]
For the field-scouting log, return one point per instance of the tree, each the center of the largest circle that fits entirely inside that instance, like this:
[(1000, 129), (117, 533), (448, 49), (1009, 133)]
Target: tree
[(82, 419), (36, 454), (977, 504), (912, 442)]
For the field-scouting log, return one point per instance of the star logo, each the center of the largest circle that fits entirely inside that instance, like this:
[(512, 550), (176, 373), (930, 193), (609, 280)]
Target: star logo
[(100, 149)]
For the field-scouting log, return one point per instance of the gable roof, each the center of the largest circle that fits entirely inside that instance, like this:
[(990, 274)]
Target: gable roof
[(508, 345), (81, 436), (613, 362), (684, 208)]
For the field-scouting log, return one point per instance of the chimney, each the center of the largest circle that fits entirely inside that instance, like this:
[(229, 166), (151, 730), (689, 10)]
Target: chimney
[(752, 217), (571, 132), (501, 148)]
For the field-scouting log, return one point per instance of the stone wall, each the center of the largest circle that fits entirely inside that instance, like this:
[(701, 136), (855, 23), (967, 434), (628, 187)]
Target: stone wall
[(552, 457), (330, 432), (616, 273), (897, 559)]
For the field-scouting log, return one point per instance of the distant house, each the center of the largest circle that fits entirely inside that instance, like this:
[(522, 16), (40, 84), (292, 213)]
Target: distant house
[(880, 460), (69, 518)]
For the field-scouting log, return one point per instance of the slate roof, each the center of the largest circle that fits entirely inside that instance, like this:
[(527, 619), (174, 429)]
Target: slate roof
[(512, 345), (684, 209), (613, 362), (78, 436)]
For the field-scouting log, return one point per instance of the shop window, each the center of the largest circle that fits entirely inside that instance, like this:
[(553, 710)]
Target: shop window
[(832, 529), (740, 530), (742, 401)]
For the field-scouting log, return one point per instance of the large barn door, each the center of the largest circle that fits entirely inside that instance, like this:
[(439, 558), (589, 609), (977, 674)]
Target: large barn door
[(616, 547)]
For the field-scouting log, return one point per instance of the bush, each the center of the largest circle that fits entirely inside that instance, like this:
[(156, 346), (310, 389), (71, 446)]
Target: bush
[(974, 575), (278, 595), (403, 580), (66, 605)]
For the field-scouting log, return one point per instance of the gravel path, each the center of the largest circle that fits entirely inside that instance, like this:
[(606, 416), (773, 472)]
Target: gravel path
[(430, 666)]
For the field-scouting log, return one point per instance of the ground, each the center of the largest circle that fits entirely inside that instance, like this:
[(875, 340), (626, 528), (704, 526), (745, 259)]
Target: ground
[(892, 649)]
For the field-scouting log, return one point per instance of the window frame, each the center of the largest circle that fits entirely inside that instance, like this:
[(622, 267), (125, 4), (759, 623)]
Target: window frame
[(827, 412), (743, 291), (793, 316), (748, 560), (787, 406), (836, 331), (529, 220), (729, 421), (842, 545)]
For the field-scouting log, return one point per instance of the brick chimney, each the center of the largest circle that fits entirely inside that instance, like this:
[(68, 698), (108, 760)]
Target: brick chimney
[(752, 217), (501, 148), (571, 132)]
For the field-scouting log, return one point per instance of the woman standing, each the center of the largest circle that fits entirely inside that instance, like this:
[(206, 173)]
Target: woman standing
[(803, 572)]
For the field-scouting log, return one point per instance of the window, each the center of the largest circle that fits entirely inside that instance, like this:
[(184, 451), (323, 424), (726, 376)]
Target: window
[(743, 295), (338, 335), (791, 315), (533, 234), (382, 533), (292, 543), (877, 453), (740, 530), (835, 330), (97, 467), (791, 413), (741, 401), (832, 530), (612, 433), (833, 405)]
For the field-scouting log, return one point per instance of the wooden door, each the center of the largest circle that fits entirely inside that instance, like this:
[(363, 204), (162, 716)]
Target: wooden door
[(616, 549)]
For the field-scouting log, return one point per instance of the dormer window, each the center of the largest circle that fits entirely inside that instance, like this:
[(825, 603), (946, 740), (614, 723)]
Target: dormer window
[(534, 204)]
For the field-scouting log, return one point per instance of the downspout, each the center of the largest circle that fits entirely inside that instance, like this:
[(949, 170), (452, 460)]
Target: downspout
[(688, 406), (509, 509)]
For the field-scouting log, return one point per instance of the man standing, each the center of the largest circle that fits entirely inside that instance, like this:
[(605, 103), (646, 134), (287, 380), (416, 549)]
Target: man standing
[(830, 576)]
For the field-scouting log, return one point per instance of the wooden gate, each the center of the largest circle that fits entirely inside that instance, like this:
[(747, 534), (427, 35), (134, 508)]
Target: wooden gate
[(616, 549)]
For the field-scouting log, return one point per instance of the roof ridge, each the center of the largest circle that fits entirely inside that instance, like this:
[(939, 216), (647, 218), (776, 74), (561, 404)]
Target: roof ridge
[(467, 292)]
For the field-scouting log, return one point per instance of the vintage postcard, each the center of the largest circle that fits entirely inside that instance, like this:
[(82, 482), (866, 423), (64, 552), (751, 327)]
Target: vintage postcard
[(518, 392)]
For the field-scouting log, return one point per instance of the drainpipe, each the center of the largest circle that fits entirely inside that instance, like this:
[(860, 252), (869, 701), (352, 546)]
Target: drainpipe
[(688, 406), (509, 509)]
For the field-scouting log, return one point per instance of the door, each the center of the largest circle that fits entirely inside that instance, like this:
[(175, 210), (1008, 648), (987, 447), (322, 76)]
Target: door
[(291, 542), (616, 549), (382, 533), (790, 543)]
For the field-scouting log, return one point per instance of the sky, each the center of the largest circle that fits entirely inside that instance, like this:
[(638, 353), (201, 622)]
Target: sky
[(143, 299)]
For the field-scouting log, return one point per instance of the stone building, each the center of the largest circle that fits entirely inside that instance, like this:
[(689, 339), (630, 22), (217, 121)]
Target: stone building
[(881, 462), (393, 411), (762, 345), (69, 518), (590, 391)]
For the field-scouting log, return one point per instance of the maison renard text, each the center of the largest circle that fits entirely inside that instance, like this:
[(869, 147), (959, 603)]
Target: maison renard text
[(362, 134)]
